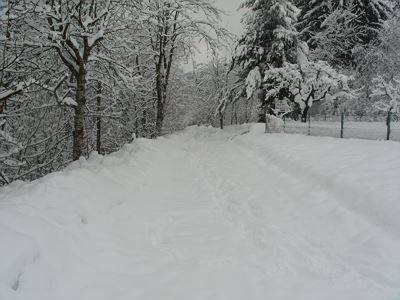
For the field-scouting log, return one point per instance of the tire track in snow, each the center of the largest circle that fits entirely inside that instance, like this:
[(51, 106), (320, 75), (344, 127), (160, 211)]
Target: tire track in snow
[(249, 218), (348, 197), (294, 249)]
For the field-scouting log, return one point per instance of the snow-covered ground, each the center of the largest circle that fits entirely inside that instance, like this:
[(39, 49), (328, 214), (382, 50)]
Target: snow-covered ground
[(205, 214), (352, 129)]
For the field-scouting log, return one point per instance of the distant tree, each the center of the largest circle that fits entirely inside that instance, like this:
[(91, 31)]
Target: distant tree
[(208, 82), (176, 27)]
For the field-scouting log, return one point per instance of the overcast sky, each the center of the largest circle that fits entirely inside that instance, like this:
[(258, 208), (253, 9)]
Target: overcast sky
[(233, 16), (230, 20)]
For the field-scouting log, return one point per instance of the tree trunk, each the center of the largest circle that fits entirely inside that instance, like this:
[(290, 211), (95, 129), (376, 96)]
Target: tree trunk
[(160, 104), (232, 114), (79, 118), (2, 110), (388, 121), (304, 114), (342, 125), (160, 117), (236, 115), (221, 121), (78, 142), (136, 123), (144, 124), (246, 112), (98, 119)]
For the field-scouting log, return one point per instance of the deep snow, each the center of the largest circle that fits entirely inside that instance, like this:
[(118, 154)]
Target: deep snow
[(205, 214)]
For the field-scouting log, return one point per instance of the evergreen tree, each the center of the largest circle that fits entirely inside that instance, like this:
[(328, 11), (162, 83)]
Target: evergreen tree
[(270, 40), (312, 15), (371, 15), (335, 39), (270, 33)]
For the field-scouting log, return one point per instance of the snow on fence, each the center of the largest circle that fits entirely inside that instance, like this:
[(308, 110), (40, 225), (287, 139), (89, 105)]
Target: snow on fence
[(345, 126)]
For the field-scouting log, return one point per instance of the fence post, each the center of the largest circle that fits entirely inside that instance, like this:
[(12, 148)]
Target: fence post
[(266, 123), (342, 125), (284, 123), (388, 121), (309, 125)]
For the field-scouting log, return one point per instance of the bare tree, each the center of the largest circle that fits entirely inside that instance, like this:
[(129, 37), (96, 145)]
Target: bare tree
[(178, 26)]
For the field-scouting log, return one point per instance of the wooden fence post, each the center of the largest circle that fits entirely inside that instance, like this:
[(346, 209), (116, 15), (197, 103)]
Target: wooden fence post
[(309, 125), (284, 123), (388, 121), (342, 125)]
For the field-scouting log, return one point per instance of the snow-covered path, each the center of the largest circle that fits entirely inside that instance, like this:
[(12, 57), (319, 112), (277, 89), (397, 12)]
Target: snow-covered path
[(205, 214)]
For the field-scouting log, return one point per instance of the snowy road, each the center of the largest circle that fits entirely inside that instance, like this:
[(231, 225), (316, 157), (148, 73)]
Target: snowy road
[(204, 214)]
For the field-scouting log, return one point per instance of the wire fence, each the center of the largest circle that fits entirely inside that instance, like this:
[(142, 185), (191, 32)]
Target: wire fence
[(347, 126)]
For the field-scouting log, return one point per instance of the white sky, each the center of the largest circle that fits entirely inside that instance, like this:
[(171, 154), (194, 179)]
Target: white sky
[(233, 16), (230, 20)]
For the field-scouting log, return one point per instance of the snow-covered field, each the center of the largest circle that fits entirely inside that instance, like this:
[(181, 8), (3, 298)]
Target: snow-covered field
[(352, 129), (205, 214)]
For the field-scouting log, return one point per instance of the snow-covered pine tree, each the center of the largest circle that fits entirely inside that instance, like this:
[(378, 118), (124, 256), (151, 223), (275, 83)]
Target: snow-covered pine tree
[(330, 29), (371, 15), (270, 40), (312, 15), (339, 35)]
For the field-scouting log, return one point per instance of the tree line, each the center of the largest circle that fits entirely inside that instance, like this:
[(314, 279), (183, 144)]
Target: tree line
[(339, 54), (79, 76)]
